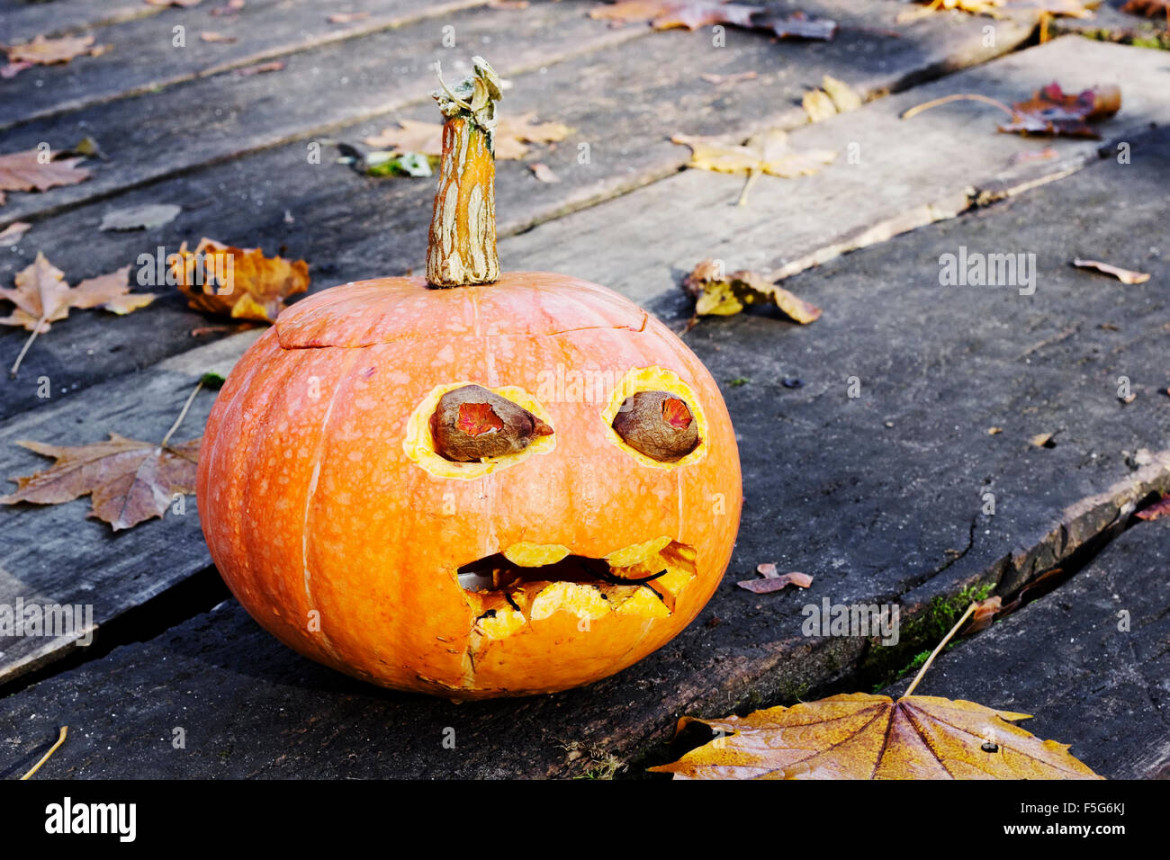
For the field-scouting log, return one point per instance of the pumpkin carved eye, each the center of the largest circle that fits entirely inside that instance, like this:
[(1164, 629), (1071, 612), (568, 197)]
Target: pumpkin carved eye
[(472, 423), (657, 424)]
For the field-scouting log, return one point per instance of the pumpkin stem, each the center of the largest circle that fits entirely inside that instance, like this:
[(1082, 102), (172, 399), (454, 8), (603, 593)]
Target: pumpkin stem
[(462, 247)]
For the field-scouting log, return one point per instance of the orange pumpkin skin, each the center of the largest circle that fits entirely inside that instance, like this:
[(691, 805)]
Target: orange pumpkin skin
[(341, 542)]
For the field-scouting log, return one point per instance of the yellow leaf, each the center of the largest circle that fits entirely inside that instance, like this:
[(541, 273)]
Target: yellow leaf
[(862, 736)]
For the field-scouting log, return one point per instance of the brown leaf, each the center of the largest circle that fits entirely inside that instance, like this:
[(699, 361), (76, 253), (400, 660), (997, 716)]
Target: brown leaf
[(1155, 511), (1149, 8), (862, 736), (666, 14), (985, 613), (410, 136), (997, 8), (1051, 112), (253, 286), (1126, 276), (30, 170), (717, 295), (46, 52), (774, 581), (42, 296), (1043, 440), (128, 481)]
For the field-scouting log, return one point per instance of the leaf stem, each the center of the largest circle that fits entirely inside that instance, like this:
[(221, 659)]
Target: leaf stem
[(957, 97), (182, 415), (936, 651), (24, 350), (753, 175), (45, 757)]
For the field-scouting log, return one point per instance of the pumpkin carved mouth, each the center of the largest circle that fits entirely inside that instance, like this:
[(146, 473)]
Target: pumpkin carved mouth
[(528, 583)]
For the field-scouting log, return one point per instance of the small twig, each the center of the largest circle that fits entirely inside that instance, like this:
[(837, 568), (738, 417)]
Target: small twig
[(45, 757), (936, 651), (182, 415), (971, 97)]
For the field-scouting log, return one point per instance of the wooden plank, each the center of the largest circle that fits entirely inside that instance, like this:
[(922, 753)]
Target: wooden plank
[(224, 116), (879, 497), (340, 221), (21, 20), (909, 173), (143, 55)]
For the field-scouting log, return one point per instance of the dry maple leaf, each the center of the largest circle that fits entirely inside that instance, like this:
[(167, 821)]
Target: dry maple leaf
[(510, 139), (863, 736), (42, 297), (33, 170), (766, 152), (666, 14), (47, 52), (128, 481), (719, 295), (237, 282), (1051, 112)]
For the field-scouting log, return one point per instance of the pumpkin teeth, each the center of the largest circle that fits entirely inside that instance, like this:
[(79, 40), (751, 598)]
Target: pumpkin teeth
[(530, 582)]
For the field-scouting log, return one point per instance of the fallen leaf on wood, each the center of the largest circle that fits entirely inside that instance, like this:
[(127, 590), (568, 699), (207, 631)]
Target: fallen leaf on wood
[(774, 581), (985, 612), (232, 7), (666, 14), (410, 136), (256, 286), (844, 97), (510, 139), (1043, 440), (145, 217), (1051, 112), (818, 105), (717, 295), (797, 26), (1126, 276), (43, 297), (766, 152), (47, 52), (347, 17), (1149, 8), (1159, 509), (996, 8), (994, 431), (33, 171), (247, 71), (128, 481), (11, 234), (543, 172), (863, 736), (729, 79), (209, 36)]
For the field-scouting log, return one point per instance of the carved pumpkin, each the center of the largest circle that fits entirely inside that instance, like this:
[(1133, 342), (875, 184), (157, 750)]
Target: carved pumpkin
[(517, 485)]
